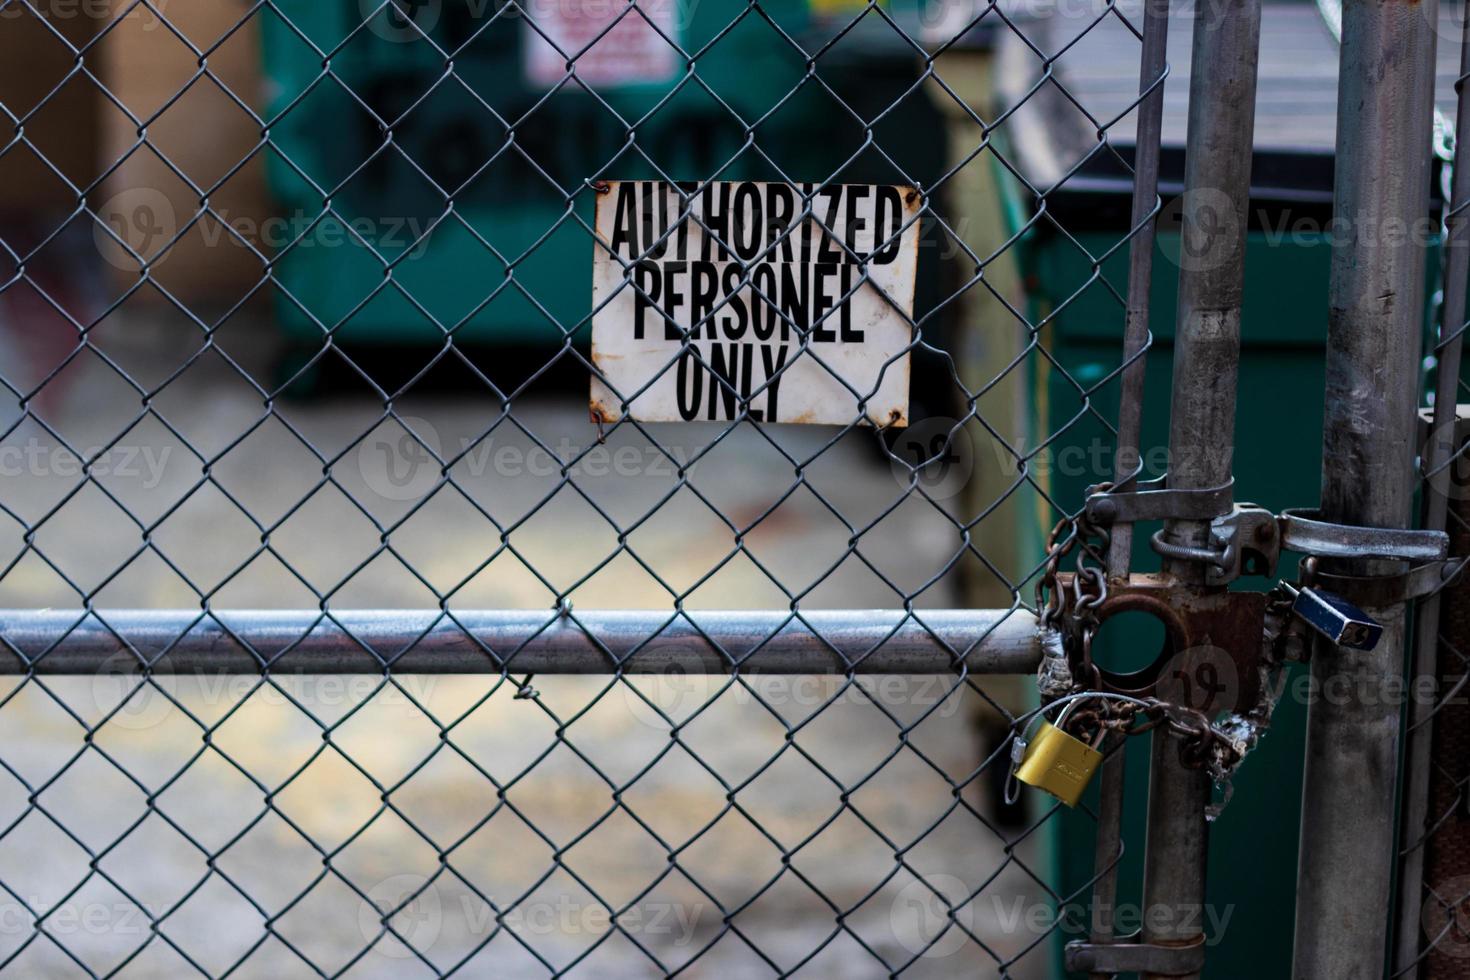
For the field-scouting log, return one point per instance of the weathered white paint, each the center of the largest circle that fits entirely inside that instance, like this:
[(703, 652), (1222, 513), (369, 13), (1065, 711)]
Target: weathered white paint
[(672, 307)]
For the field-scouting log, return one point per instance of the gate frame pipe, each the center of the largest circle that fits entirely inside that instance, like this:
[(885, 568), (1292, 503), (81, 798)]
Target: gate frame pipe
[(1376, 302), (1153, 70), (1148, 139), (1218, 153), (53, 642)]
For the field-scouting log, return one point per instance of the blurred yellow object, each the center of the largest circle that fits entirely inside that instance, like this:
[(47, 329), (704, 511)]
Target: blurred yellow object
[(840, 6), (1059, 764)]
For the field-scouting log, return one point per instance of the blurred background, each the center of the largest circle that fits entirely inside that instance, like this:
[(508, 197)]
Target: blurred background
[(219, 272), (294, 314)]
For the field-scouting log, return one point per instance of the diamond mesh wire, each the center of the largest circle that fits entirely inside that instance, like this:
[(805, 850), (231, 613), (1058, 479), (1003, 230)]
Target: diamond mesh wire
[(1434, 859), (1439, 880), (1437, 712), (296, 296)]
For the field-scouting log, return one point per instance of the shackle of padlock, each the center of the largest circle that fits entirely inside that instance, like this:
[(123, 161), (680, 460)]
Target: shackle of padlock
[(1055, 762)]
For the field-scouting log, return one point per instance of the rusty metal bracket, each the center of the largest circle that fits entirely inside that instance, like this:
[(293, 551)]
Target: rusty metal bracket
[(1212, 650), (1130, 956), (1153, 500)]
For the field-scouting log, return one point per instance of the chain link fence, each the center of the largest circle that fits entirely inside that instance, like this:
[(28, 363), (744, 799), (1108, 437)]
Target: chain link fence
[(339, 641), (1431, 940)]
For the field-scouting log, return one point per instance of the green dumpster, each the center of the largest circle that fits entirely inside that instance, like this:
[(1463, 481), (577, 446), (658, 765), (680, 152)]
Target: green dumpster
[(373, 133)]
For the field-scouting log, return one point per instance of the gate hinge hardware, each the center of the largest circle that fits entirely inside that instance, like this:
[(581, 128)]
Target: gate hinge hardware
[(1381, 591), (1331, 604)]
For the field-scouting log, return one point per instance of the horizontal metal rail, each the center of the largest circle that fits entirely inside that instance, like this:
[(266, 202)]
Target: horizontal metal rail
[(57, 642)]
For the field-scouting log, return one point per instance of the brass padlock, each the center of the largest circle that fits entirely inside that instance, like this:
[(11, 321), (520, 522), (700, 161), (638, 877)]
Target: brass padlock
[(1058, 764)]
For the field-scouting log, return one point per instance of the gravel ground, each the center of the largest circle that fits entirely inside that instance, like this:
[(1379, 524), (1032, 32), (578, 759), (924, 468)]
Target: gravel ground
[(228, 820)]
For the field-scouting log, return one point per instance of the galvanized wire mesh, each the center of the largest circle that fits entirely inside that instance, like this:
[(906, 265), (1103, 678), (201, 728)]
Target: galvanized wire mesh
[(431, 168), (1435, 886), (1433, 942)]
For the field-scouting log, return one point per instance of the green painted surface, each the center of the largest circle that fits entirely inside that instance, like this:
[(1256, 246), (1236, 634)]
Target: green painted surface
[(512, 261)]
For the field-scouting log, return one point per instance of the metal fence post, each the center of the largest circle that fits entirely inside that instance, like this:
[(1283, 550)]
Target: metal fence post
[(1154, 69), (1373, 348), (1222, 97)]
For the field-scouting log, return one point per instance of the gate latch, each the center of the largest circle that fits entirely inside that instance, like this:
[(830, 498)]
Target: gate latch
[(1244, 538), (1246, 541), (1304, 530)]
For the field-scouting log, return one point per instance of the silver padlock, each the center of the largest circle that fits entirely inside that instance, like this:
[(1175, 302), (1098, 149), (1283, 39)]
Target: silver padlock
[(1341, 622)]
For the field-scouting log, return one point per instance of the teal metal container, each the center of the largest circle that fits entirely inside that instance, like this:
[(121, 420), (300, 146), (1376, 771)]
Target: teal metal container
[(369, 125)]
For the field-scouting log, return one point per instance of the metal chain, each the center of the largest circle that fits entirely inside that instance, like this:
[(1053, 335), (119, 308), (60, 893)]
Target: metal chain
[(1077, 621), (1089, 586)]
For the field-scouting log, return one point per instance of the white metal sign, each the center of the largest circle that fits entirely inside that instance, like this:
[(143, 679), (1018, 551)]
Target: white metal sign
[(611, 44), (768, 310)]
